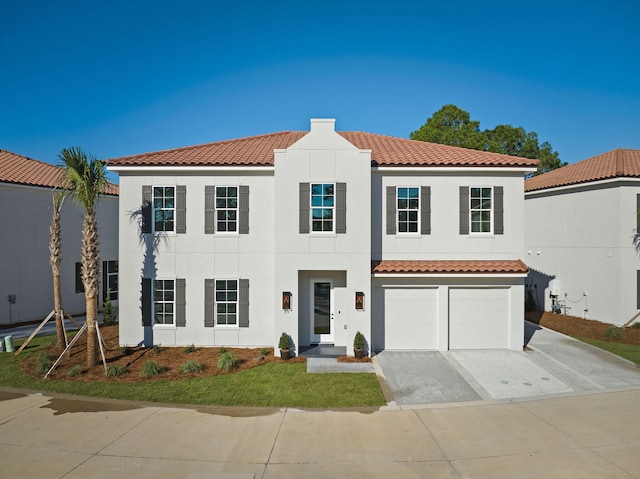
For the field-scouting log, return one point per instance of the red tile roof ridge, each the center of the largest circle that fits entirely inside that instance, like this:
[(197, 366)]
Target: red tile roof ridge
[(616, 163), (449, 266)]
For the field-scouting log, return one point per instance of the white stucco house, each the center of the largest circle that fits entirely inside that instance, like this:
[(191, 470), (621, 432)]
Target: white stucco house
[(321, 234), (26, 290), (580, 223)]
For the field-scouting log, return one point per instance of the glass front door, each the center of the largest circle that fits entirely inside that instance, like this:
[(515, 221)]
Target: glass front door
[(322, 311)]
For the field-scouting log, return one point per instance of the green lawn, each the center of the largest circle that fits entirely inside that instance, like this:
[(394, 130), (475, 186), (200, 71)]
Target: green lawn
[(273, 384), (627, 351)]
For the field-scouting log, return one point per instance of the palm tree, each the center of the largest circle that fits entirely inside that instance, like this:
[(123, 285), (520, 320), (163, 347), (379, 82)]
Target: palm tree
[(55, 258), (85, 178)]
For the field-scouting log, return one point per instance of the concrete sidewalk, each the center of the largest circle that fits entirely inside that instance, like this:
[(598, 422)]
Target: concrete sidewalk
[(589, 436)]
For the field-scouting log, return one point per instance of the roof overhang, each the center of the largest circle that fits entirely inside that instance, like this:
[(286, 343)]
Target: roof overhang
[(449, 269), (617, 181)]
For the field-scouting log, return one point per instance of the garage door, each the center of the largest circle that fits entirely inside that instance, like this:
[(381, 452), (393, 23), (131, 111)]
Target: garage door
[(478, 318), (410, 318)]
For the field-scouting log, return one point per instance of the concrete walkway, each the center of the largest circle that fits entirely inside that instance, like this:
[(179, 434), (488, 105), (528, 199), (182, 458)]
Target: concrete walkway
[(588, 436)]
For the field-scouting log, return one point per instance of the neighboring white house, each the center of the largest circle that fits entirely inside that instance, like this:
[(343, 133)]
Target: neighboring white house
[(26, 289), (580, 223), (321, 234)]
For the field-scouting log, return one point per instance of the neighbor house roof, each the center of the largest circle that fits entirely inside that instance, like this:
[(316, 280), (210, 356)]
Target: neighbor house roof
[(449, 267), (20, 170), (618, 163), (385, 151)]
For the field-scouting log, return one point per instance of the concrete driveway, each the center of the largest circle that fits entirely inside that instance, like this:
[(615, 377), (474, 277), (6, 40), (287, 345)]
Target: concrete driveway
[(554, 364)]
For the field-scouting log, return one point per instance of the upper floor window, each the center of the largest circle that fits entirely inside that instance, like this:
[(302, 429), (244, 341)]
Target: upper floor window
[(163, 301), (408, 209), (226, 209), (481, 208), (164, 208), (322, 206), (110, 280)]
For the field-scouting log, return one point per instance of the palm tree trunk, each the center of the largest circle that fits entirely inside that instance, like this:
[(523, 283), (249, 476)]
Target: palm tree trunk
[(57, 304), (91, 280), (55, 258)]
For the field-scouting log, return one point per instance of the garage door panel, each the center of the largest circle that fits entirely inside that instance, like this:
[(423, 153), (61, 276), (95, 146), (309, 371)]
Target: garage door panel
[(478, 318), (410, 318)]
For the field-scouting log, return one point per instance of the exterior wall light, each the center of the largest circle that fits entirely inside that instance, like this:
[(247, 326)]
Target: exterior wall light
[(359, 300), (286, 300)]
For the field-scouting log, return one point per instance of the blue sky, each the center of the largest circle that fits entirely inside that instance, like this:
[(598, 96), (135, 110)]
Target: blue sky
[(126, 77)]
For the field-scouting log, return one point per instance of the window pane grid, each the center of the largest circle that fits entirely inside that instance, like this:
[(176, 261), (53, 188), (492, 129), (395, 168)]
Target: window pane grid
[(322, 206), (227, 209), (164, 208), (408, 206), (226, 302), (163, 301), (480, 203)]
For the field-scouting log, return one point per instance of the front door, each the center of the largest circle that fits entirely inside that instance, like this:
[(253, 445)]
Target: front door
[(321, 311)]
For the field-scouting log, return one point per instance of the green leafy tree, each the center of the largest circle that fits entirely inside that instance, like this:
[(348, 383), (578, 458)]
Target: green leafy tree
[(453, 126), (85, 178)]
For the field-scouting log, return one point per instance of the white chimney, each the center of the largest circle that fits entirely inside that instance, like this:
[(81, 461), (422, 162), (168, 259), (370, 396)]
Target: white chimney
[(323, 124)]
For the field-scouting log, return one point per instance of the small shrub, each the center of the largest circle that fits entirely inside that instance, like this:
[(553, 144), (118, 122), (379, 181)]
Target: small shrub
[(285, 341), (125, 350), (358, 341), (114, 370), (264, 351), (189, 349), (74, 371), (43, 363), (226, 361), (156, 348), (613, 333), (223, 350), (108, 311), (150, 369), (191, 367)]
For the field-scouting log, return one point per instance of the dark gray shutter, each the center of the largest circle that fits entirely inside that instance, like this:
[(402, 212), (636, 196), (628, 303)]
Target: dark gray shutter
[(425, 210), (243, 303), (181, 303), (147, 208), (464, 210), (209, 210), (341, 208), (105, 281), (498, 210), (209, 303), (638, 213), (391, 210), (146, 304), (244, 210), (638, 289), (181, 209), (304, 208)]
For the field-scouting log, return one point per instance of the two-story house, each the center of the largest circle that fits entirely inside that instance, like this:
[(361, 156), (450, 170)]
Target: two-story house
[(581, 220), (321, 234), (26, 286)]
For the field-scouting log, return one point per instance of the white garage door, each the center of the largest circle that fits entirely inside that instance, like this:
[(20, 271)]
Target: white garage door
[(478, 318), (410, 318)]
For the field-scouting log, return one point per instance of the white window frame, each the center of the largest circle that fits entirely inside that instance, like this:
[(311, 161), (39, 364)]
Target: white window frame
[(154, 209), (332, 208), (109, 275), (219, 210), (163, 301), (417, 210), (219, 302), (481, 209)]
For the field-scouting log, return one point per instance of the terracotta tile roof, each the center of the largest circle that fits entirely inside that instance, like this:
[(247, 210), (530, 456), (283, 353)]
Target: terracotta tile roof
[(20, 170), (618, 163), (258, 151), (449, 267)]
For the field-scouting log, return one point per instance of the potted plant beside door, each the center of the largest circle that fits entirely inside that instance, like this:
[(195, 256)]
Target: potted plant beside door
[(358, 345), (285, 346)]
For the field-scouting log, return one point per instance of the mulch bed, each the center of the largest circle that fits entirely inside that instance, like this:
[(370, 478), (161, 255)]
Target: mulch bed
[(573, 326), (170, 358)]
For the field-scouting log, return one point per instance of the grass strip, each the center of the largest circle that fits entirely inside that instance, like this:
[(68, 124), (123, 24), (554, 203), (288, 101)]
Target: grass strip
[(626, 351)]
